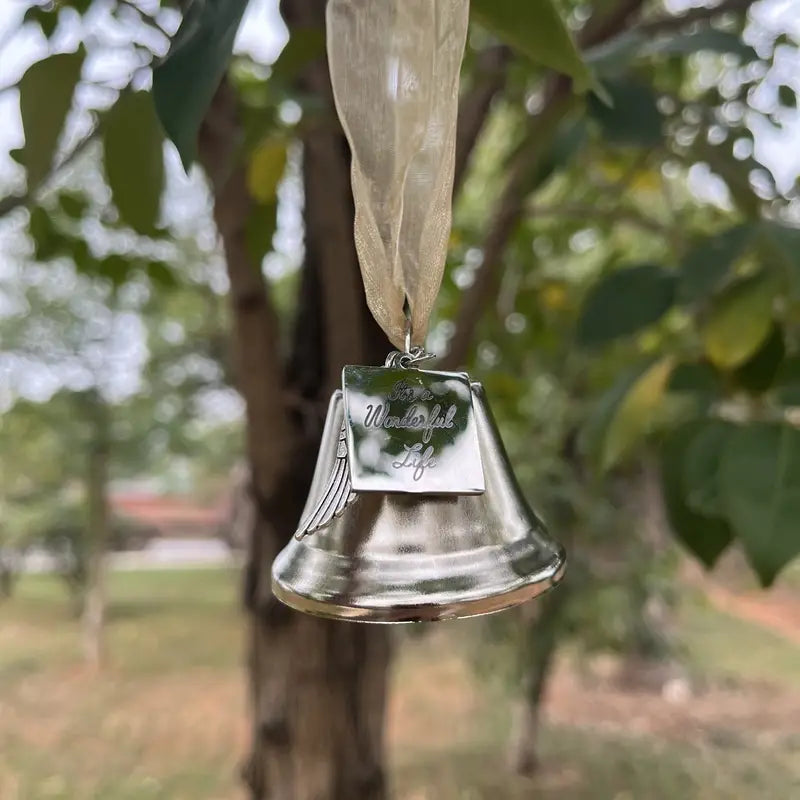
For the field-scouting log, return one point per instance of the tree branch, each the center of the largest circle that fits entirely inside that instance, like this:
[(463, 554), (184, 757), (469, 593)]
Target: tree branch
[(509, 211), (14, 201), (475, 104), (669, 22), (148, 19), (601, 28), (349, 334), (577, 211), (512, 202), (259, 370)]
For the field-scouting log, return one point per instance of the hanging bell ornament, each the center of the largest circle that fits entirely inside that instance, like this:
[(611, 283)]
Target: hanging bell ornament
[(414, 513)]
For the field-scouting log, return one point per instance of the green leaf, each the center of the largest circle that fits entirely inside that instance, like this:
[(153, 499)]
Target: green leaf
[(115, 267), (632, 116), (636, 415), (783, 243), (536, 29), (45, 98), (81, 6), (735, 172), (568, 139), (264, 173), (45, 18), (701, 468), (47, 240), (259, 230), (787, 96), (706, 265), (739, 321), (787, 382), (697, 384), (304, 46), (134, 160), (624, 302), (695, 378), (265, 170), (759, 483), (52, 241), (161, 274), (757, 374), (185, 81), (601, 414), (82, 257), (73, 204), (706, 537)]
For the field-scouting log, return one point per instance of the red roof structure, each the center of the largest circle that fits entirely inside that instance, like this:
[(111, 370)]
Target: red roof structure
[(171, 516)]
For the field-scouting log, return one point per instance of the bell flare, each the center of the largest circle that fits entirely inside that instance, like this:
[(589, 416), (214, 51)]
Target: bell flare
[(396, 557)]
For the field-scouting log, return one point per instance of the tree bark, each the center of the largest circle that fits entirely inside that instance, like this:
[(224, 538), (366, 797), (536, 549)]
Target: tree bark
[(537, 649), (649, 661), (317, 688), (541, 637), (94, 603), (7, 575), (474, 106)]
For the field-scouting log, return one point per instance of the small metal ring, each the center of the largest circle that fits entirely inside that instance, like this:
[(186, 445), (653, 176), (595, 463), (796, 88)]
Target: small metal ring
[(408, 335), (406, 360)]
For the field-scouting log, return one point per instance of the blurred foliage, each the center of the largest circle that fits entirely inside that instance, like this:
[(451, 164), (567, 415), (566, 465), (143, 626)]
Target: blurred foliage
[(110, 340), (647, 305), (653, 310)]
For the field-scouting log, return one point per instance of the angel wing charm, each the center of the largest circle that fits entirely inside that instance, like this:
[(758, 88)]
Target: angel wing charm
[(337, 495)]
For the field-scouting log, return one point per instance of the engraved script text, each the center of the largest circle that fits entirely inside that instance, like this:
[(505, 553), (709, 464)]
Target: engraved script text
[(415, 418), (414, 458), (402, 391)]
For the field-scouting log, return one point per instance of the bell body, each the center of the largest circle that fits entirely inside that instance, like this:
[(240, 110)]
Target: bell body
[(396, 557)]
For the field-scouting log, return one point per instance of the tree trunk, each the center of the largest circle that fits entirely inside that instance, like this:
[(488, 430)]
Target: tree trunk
[(8, 558), (537, 648), (94, 605), (540, 639), (7, 575), (650, 659), (317, 688)]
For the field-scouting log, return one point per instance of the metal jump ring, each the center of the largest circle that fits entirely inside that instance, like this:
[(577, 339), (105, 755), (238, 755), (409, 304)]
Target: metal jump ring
[(411, 354), (408, 359)]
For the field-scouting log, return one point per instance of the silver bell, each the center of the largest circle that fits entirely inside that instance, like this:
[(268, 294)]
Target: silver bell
[(398, 557)]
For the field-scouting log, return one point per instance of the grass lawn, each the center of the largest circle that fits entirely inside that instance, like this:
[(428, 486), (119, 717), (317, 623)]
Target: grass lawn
[(167, 719), (725, 647)]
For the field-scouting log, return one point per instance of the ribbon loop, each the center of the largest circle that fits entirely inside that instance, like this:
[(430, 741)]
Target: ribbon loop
[(394, 69)]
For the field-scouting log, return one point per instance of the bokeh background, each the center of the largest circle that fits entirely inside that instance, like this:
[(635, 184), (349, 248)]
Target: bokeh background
[(622, 277)]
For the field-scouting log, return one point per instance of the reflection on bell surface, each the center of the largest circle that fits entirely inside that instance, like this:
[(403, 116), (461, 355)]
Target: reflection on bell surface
[(396, 557)]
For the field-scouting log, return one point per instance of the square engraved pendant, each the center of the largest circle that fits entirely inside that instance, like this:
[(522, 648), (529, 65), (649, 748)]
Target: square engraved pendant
[(411, 430)]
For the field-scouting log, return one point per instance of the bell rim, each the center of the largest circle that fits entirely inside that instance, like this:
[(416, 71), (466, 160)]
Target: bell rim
[(544, 580)]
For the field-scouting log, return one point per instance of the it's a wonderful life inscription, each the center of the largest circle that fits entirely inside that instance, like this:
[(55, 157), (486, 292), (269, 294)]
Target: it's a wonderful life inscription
[(411, 430)]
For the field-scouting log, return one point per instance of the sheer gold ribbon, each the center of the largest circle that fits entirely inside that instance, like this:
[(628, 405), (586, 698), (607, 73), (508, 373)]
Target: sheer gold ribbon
[(394, 68)]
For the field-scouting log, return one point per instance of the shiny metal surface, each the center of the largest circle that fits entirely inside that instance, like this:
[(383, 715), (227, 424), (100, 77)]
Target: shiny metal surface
[(411, 430), (407, 558)]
